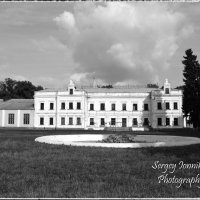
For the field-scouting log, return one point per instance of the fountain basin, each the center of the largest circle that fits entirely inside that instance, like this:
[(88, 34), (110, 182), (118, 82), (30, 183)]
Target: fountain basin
[(90, 140)]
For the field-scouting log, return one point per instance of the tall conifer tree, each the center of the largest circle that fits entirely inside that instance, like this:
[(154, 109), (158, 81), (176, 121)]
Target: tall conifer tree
[(191, 88)]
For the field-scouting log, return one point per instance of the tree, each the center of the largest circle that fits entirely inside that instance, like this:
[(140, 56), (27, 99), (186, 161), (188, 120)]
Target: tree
[(8, 89), (12, 89), (25, 89), (191, 88), (152, 85), (179, 87), (107, 86)]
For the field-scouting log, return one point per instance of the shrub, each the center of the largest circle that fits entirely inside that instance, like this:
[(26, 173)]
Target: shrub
[(119, 139)]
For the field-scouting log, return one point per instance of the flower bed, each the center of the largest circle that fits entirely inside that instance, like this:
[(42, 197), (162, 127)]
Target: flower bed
[(121, 139)]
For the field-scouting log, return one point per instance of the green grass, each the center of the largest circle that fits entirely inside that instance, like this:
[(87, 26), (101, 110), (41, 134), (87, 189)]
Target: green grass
[(30, 169)]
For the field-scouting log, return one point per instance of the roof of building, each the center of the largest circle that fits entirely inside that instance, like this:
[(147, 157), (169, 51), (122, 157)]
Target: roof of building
[(107, 90), (115, 89), (119, 90), (17, 104)]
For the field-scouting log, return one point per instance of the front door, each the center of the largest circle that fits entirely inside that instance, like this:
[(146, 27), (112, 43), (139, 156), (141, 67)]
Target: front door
[(123, 122)]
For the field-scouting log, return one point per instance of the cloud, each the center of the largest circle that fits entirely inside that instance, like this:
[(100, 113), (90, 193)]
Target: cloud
[(78, 77), (86, 79), (50, 44), (49, 82), (65, 20), (187, 30), (122, 54), (16, 77), (15, 16), (123, 41), (51, 48), (19, 77), (127, 82), (5, 73), (3, 67)]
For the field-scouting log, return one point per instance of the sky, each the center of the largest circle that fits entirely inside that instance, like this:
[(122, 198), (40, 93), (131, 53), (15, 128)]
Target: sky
[(119, 43)]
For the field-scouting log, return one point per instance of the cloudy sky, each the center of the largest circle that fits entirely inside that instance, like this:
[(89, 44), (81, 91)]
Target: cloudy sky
[(117, 43)]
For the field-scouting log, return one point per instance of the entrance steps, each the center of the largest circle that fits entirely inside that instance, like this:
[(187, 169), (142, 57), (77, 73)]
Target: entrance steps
[(118, 128)]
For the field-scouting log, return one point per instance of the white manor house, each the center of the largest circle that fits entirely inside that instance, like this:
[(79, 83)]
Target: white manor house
[(94, 108)]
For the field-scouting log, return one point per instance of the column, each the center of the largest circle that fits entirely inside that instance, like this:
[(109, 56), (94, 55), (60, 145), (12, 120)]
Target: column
[(18, 118), (3, 118)]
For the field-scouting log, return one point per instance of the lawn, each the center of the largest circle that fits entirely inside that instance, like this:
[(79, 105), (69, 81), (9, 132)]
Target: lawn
[(30, 169)]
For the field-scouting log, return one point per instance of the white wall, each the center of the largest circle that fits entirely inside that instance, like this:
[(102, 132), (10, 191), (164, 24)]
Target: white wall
[(118, 99), (57, 98), (31, 123), (18, 118), (108, 98), (174, 96)]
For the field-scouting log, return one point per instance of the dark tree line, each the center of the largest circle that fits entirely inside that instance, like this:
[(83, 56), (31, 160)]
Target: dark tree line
[(107, 86), (191, 88), (12, 89), (152, 85), (179, 87)]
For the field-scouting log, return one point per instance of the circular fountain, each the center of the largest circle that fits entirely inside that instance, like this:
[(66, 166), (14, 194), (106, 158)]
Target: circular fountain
[(95, 140)]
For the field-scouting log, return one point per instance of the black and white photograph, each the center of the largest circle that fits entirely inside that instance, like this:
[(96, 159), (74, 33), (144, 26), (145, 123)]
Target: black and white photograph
[(100, 99)]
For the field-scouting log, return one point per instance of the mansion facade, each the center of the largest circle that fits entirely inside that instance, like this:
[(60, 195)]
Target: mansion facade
[(97, 108)]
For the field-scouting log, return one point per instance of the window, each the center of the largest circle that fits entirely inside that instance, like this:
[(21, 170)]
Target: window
[(91, 106), (62, 120), (91, 121), (123, 106), (41, 120), (51, 121), (26, 118), (175, 105), (123, 122), (78, 121), (41, 106), (159, 106), (71, 91), (112, 106), (11, 118), (78, 105), (175, 121), (70, 105), (113, 121), (102, 121), (166, 90), (102, 106), (70, 121), (134, 106), (146, 106), (51, 106), (135, 122), (167, 121), (159, 121), (167, 105), (63, 106), (146, 121)]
